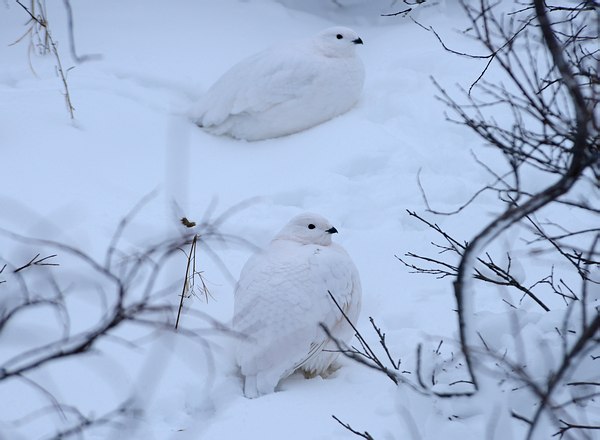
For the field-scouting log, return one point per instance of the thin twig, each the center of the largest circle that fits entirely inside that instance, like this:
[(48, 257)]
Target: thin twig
[(43, 22), (363, 434)]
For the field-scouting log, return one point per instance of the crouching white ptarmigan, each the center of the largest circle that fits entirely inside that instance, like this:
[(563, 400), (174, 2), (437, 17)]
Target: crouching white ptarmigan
[(285, 89), (283, 296)]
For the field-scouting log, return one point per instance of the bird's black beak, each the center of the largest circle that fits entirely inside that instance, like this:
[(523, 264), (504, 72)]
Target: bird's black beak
[(332, 230), (357, 41)]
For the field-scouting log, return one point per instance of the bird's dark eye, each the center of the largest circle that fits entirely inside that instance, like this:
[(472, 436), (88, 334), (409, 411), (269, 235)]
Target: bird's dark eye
[(311, 226), (339, 36)]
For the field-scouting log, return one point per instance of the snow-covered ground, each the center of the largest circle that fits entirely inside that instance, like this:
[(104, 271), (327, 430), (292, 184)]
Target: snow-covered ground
[(73, 181)]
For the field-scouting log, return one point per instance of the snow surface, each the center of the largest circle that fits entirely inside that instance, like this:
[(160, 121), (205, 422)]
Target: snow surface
[(73, 181)]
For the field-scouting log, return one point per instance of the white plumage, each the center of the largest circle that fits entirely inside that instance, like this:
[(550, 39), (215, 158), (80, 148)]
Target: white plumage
[(282, 297), (285, 89)]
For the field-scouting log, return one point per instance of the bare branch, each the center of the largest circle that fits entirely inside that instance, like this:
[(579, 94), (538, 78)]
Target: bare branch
[(70, 26), (364, 434), (37, 261)]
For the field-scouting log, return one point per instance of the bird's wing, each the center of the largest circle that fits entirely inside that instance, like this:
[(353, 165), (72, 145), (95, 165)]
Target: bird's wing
[(258, 83), (343, 283)]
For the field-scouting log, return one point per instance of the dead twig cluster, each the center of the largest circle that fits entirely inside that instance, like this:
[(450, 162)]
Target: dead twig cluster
[(191, 274), (41, 39)]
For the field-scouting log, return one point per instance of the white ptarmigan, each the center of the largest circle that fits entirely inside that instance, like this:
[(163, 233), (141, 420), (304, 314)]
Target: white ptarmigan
[(281, 298), (285, 89)]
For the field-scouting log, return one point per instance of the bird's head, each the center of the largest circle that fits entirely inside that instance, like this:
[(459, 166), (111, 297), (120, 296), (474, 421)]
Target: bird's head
[(338, 42), (308, 228)]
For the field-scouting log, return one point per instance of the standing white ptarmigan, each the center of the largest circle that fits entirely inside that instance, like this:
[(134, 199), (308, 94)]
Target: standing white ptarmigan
[(285, 89), (282, 297)]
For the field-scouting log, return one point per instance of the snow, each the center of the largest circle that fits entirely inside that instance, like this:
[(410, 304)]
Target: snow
[(73, 181)]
